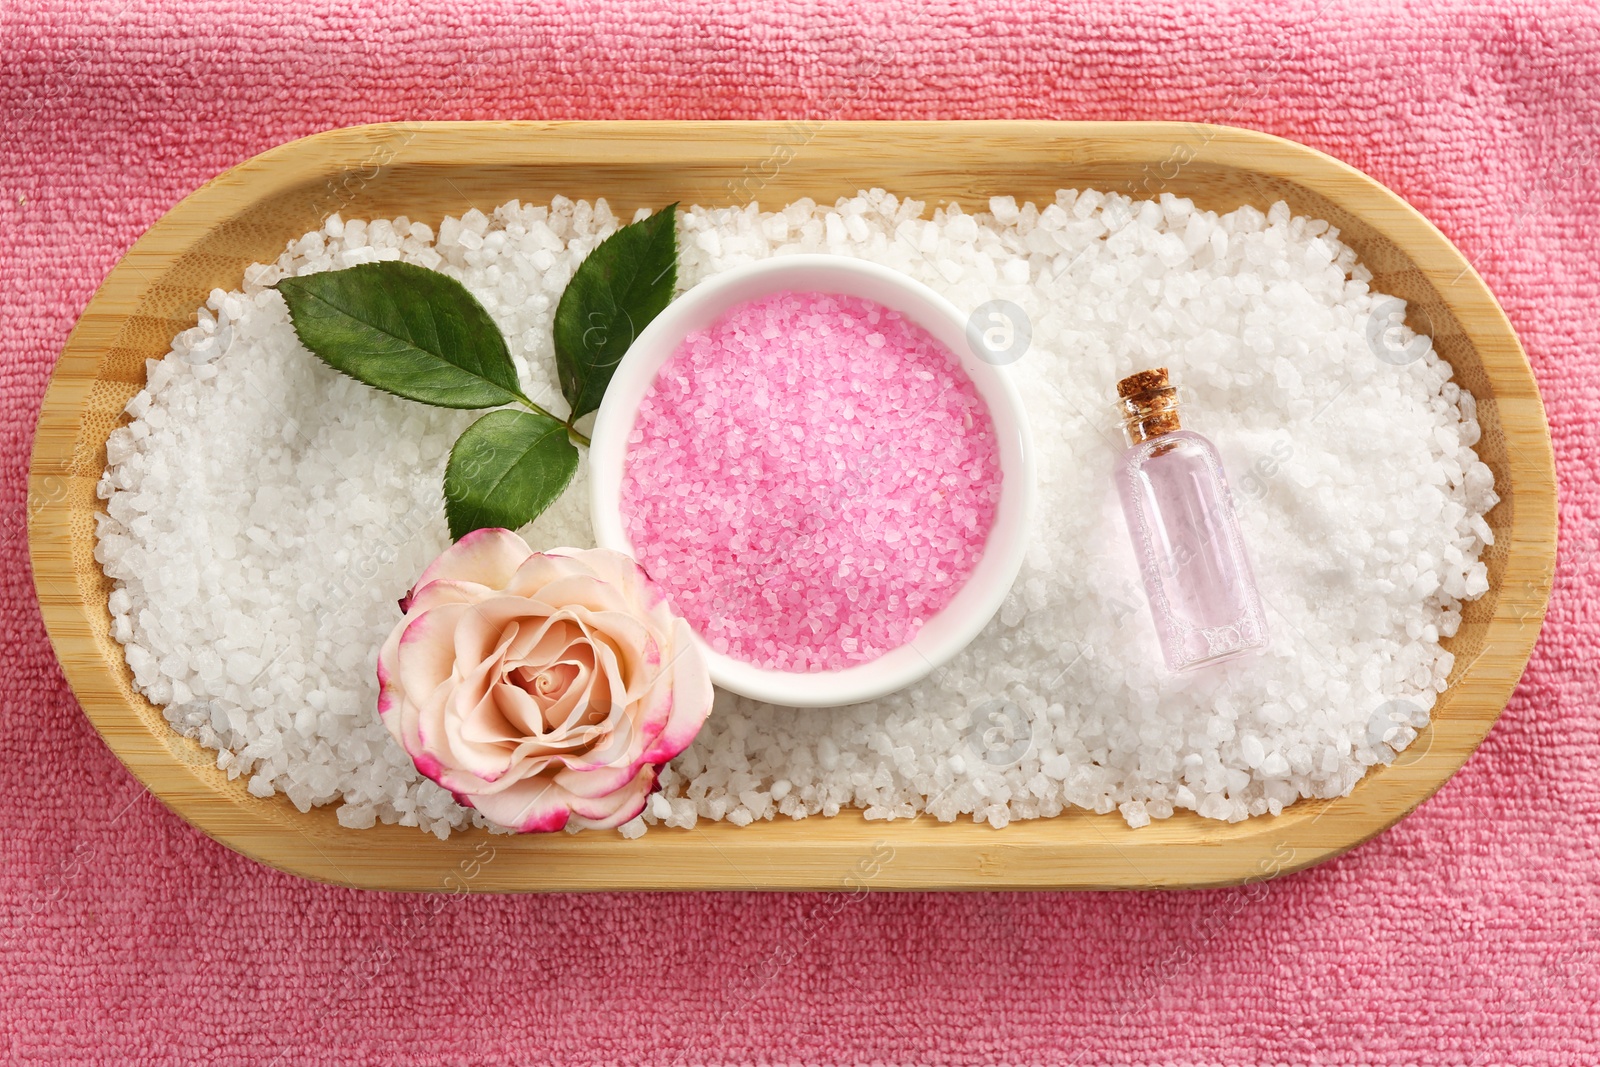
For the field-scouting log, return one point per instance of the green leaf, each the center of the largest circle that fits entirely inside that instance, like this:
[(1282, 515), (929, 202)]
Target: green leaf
[(505, 470), (616, 291), (404, 329)]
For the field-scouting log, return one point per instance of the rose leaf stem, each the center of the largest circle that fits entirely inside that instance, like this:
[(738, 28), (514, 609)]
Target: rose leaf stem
[(535, 408)]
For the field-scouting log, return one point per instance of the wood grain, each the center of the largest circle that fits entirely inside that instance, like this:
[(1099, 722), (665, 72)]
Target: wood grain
[(425, 170)]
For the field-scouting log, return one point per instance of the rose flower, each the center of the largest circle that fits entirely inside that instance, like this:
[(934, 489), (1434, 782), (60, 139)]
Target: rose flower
[(542, 688)]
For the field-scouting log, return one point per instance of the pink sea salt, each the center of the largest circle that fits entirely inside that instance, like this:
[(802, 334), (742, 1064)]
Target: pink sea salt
[(811, 480)]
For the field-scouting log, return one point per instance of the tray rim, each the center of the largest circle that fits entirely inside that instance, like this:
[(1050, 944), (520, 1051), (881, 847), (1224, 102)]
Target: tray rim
[(849, 853)]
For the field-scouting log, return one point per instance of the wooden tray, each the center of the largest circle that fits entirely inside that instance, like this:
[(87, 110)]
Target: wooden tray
[(426, 170)]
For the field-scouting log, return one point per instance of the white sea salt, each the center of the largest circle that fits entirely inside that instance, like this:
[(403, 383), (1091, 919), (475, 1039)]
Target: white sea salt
[(264, 513)]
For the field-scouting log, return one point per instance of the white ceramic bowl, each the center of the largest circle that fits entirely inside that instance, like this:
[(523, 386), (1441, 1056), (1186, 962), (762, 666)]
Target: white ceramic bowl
[(973, 605)]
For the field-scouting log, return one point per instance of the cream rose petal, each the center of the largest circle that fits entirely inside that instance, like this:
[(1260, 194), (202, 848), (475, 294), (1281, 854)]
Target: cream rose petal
[(558, 711), (616, 808), (596, 782), (425, 737), (446, 591), (574, 591), (425, 657), (487, 557), (622, 571), (542, 569), (634, 646), (488, 627), (529, 805), (691, 696), (541, 640), (468, 730)]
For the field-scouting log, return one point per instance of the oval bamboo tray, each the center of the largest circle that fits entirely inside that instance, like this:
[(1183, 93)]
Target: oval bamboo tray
[(426, 170)]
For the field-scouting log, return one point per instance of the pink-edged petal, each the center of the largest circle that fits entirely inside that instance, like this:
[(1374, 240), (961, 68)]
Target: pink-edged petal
[(396, 720), (430, 734), (615, 808), (425, 657), (488, 557), (621, 570), (425, 736), (692, 696), (428, 765), (445, 591), (389, 691), (442, 773), (532, 805)]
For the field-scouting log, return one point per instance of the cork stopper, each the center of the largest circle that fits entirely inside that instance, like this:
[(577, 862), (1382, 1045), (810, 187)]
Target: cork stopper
[(1148, 402)]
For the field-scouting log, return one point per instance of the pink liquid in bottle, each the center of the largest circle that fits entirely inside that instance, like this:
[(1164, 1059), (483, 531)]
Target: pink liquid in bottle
[(1180, 516)]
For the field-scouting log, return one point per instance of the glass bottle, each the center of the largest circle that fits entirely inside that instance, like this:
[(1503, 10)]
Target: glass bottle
[(1180, 515)]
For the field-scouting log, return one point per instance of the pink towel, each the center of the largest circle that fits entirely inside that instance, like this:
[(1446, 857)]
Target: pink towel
[(1469, 933)]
